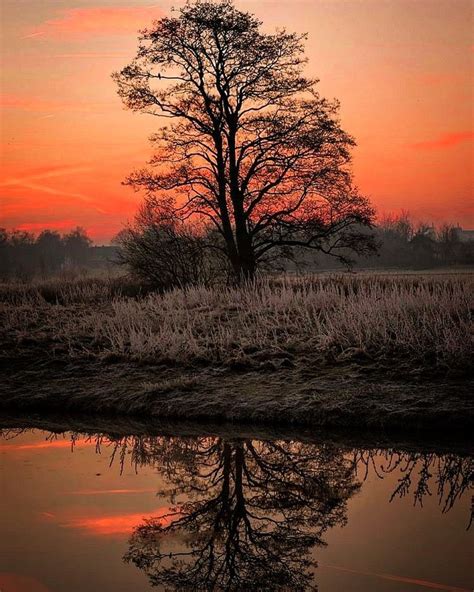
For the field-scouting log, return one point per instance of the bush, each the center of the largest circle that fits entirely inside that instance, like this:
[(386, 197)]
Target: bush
[(166, 253)]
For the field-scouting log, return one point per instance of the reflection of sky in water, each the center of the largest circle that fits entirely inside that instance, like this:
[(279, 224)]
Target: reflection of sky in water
[(68, 515)]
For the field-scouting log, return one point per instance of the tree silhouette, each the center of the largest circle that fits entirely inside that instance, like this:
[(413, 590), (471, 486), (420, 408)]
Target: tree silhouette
[(50, 247), (166, 254), (77, 245), (253, 512), (250, 146)]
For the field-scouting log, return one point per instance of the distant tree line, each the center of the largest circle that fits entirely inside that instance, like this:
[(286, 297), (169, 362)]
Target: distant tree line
[(404, 244), (24, 255), (165, 252)]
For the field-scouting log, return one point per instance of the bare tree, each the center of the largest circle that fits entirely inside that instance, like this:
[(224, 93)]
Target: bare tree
[(250, 145), (165, 252)]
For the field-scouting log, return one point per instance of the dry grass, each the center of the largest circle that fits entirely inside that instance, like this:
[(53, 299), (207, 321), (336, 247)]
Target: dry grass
[(69, 291), (398, 320)]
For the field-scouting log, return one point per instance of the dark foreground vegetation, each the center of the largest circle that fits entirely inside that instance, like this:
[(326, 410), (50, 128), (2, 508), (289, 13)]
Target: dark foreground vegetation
[(328, 350)]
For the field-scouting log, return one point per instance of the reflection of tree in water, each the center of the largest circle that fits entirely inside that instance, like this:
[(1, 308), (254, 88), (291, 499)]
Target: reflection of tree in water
[(450, 475), (252, 512), (248, 512)]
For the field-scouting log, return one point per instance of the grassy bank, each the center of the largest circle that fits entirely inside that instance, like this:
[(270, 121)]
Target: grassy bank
[(330, 398), (327, 350), (424, 323)]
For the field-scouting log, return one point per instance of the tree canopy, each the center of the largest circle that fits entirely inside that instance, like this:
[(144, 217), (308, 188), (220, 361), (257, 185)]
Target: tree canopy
[(247, 144)]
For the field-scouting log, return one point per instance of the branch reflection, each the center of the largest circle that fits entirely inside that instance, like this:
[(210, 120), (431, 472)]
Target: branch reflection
[(251, 513), (246, 513)]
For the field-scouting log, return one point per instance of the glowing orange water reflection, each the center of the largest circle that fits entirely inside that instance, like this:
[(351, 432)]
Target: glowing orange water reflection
[(112, 525)]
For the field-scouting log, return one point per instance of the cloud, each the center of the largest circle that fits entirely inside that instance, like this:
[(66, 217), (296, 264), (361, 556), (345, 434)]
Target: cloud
[(31, 35), (61, 192), (111, 491), (92, 56), (46, 173), (32, 103), (30, 182), (397, 578), (94, 21), (36, 227), (445, 141)]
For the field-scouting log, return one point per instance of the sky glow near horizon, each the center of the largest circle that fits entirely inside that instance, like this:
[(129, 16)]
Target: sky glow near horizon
[(402, 70)]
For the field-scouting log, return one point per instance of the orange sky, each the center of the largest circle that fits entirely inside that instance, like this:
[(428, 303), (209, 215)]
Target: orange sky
[(402, 69)]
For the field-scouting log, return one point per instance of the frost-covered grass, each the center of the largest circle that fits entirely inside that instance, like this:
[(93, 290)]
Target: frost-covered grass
[(420, 321)]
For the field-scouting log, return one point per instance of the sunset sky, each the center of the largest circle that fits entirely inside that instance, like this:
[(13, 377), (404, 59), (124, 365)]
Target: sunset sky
[(402, 69)]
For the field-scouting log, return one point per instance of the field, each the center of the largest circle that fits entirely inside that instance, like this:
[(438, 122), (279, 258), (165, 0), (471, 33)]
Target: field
[(311, 348)]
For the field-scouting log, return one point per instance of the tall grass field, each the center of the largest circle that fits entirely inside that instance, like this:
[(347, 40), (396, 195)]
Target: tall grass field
[(422, 322)]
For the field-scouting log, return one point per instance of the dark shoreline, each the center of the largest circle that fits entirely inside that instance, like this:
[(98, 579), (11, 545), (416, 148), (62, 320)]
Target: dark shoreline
[(336, 398), (120, 427)]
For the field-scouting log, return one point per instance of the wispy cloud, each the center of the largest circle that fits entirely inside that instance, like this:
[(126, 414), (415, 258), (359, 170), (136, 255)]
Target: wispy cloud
[(103, 20), (30, 181), (43, 445), (60, 225), (445, 140), (92, 56), (32, 35), (32, 103), (46, 173), (111, 491), (61, 192), (396, 578)]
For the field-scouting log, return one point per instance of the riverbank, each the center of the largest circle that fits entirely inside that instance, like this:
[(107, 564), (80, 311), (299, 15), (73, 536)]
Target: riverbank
[(388, 351), (333, 398)]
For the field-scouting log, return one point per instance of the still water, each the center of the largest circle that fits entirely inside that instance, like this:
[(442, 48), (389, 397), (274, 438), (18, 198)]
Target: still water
[(230, 511)]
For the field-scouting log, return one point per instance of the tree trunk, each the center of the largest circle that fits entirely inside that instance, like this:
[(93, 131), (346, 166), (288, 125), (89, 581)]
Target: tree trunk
[(246, 255), (244, 266)]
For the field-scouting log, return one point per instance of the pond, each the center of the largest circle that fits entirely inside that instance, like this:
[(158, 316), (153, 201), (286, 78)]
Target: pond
[(238, 509)]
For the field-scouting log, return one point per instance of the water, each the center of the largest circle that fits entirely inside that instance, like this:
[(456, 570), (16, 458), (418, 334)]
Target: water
[(233, 510)]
